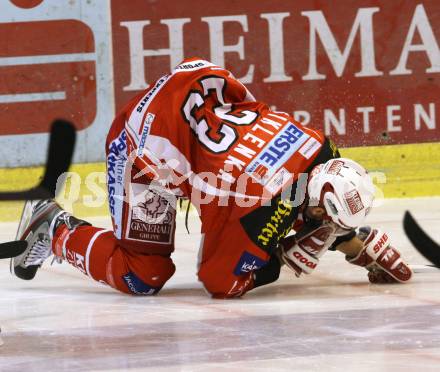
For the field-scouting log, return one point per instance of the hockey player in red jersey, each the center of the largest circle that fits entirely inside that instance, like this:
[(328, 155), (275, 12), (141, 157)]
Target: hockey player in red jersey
[(254, 175)]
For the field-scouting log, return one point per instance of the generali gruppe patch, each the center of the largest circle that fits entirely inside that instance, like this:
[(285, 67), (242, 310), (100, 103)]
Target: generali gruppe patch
[(151, 216)]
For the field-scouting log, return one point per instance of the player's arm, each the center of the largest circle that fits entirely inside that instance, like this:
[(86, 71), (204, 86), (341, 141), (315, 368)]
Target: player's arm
[(350, 247), (371, 249)]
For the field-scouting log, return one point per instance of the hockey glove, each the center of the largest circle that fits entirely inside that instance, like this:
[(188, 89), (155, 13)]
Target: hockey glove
[(383, 262), (302, 254)]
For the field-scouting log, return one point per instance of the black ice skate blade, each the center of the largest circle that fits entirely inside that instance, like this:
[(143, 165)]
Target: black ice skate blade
[(26, 273), (59, 157), (427, 247), (12, 249)]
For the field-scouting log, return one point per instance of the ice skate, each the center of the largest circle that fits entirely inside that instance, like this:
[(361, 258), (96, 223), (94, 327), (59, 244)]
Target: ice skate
[(38, 223)]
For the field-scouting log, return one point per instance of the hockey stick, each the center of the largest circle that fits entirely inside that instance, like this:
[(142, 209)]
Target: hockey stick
[(427, 247), (59, 157), (12, 249), (424, 269)]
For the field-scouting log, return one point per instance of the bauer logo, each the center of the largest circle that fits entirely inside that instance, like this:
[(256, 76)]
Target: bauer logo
[(276, 153), (247, 263), (48, 70)]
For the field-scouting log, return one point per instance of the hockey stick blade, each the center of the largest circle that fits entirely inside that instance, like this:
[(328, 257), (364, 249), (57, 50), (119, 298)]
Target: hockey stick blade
[(427, 247), (12, 249), (59, 157), (425, 269)]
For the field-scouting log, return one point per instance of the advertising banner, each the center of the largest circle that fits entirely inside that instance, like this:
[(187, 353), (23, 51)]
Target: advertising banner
[(367, 72), (55, 62)]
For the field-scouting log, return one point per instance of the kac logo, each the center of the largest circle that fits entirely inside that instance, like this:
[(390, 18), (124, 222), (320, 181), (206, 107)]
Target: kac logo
[(247, 263)]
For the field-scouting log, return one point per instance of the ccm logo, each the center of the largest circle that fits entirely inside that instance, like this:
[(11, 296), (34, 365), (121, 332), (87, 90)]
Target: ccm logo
[(380, 243), (304, 260)]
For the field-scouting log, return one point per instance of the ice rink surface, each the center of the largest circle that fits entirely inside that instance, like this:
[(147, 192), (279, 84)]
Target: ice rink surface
[(333, 320)]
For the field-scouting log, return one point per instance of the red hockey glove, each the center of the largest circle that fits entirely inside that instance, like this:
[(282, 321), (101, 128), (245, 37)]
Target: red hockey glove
[(384, 263), (302, 255)]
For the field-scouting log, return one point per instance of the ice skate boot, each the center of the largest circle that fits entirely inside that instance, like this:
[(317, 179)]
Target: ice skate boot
[(39, 221)]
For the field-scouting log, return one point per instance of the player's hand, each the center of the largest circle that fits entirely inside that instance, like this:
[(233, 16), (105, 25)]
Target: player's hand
[(379, 276), (302, 254), (384, 262)]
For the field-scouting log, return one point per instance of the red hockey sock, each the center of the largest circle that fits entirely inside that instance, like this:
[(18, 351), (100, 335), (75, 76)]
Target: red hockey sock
[(78, 247), (96, 253)]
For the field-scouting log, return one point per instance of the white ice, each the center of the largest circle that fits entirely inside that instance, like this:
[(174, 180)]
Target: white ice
[(333, 320)]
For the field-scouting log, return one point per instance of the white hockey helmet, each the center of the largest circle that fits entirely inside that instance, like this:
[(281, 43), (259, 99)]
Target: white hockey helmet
[(344, 188)]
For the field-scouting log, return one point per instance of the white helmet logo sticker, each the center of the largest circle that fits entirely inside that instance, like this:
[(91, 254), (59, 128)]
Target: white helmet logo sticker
[(354, 201)]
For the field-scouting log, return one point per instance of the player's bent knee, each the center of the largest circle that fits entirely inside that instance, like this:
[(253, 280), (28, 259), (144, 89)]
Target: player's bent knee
[(222, 288), (214, 290), (139, 274)]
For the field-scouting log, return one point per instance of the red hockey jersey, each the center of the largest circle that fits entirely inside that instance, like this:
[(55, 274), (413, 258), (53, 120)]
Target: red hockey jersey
[(201, 134)]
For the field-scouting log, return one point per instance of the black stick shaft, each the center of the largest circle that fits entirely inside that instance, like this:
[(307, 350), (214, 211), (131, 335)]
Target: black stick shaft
[(59, 158), (420, 240)]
